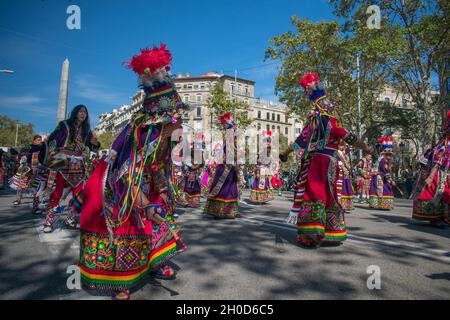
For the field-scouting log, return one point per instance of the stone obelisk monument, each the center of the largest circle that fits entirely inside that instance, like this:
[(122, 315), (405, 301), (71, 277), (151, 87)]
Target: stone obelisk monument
[(63, 92)]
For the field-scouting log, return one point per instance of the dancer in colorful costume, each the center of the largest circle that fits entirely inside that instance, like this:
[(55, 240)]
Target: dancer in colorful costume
[(363, 177), (432, 192), (276, 183), (261, 190), (67, 149), (21, 179), (381, 194), (36, 154), (316, 210), (192, 188), (344, 183), (127, 224), (31, 154), (222, 201)]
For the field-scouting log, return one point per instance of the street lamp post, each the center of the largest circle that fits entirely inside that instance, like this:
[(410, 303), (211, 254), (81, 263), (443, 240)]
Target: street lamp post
[(359, 102), (358, 93), (17, 133), (402, 150)]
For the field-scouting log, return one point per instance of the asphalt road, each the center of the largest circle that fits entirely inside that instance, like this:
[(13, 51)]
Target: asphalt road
[(252, 257)]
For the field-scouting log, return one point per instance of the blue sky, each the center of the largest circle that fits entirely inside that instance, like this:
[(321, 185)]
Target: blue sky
[(203, 36)]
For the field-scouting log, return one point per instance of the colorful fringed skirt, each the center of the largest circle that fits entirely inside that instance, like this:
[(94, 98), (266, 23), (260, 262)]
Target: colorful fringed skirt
[(19, 182), (432, 204), (261, 192), (192, 190), (222, 201), (120, 260), (345, 193), (381, 195), (319, 215)]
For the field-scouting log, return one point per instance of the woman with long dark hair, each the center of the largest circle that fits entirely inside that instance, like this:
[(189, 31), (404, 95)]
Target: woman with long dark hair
[(67, 149)]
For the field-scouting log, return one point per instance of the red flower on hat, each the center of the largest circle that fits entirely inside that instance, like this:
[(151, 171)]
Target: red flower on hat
[(150, 60)]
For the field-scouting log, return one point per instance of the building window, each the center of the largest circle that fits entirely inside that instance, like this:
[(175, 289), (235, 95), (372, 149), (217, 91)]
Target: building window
[(195, 86), (404, 103), (267, 127), (278, 118), (278, 129), (273, 128), (202, 86), (273, 116), (199, 98), (198, 112), (231, 88), (189, 86), (259, 114), (387, 100), (246, 91), (259, 126), (286, 131), (186, 98), (268, 116)]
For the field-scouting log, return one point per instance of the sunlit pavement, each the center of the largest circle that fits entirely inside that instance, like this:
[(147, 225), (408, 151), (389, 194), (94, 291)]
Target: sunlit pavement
[(252, 257)]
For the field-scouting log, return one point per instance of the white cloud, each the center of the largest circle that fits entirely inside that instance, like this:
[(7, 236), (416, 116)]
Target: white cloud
[(28, 103), (89, 87), (27, 100)]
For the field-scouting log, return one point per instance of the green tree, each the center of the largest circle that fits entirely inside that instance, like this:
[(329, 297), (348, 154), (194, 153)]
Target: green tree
[(8, 129), (422, 46), (326, 49), (106, 139), (284, 143), (219, 102), (406, 52)]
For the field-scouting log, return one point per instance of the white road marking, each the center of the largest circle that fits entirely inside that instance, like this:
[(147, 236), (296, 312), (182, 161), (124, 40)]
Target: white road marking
[(248, 204)]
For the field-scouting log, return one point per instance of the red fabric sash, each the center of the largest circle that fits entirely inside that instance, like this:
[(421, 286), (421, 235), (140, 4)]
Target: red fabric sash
[(91, 219)]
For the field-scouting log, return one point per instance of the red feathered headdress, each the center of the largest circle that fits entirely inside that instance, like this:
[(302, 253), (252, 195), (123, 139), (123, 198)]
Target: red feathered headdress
[(150, 60), (267, 133), (308, 80), (226, 120)]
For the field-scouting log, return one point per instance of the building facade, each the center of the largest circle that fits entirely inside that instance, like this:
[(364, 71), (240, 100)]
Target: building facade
[(195, 90)]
